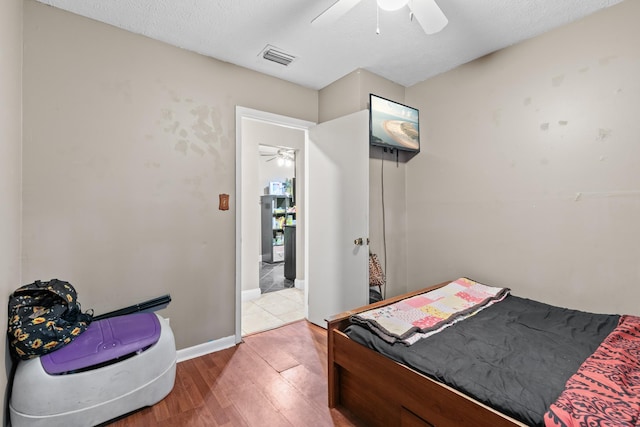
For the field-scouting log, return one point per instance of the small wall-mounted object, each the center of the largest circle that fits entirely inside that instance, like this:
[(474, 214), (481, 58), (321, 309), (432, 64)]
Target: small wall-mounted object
[(224, 202)]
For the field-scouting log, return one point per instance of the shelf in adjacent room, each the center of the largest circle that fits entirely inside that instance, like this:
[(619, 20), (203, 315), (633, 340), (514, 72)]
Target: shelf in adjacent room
[(277, 211)]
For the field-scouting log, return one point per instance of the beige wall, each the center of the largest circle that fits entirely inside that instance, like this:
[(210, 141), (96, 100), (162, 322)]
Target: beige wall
[(340, 98), (127, 144), (10, 159), (529, 171), (351, 93), (388, 228)]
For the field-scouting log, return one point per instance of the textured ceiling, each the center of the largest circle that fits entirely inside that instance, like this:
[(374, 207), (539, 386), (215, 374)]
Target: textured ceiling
[(237, 31)]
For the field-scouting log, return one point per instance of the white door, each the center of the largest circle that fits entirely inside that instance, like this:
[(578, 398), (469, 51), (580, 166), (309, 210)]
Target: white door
[(337, 165)]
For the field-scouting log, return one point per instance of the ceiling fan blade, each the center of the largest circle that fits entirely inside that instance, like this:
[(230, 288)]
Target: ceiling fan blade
[(429, 15), (333, 12)]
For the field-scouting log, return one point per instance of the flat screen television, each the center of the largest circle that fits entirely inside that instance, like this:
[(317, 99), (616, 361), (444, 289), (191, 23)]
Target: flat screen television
[(393, 125)]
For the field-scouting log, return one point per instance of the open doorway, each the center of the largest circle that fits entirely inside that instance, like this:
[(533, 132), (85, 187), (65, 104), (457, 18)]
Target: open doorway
[(279, 301), (254, 129), (278, 212)]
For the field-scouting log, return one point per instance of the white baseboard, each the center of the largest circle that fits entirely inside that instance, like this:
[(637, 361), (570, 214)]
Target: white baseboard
[(299, 284), (251, 294), (206, 348)]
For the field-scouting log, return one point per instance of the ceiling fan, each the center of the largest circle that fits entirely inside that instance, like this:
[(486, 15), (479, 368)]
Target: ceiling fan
[(284, 157), (426, 12)]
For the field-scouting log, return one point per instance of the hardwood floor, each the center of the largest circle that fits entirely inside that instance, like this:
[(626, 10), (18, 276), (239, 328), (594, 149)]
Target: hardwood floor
[(274, 378)]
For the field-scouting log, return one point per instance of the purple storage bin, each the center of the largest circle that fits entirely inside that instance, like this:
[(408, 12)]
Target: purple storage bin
[(104, 340)]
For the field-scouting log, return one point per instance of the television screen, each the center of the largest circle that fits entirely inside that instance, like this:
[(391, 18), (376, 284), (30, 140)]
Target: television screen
[(393, 125)]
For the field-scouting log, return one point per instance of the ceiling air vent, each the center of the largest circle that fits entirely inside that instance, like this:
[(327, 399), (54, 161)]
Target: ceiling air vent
[(273, 54)]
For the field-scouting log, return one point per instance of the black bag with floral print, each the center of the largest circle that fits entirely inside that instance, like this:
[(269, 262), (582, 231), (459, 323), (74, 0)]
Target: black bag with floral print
[(43, 317)]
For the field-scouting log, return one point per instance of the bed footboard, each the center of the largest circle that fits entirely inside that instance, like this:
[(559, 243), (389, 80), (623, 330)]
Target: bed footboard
[(382, 392)]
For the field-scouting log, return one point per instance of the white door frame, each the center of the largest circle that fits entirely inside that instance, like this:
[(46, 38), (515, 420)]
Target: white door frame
[(275, 119)]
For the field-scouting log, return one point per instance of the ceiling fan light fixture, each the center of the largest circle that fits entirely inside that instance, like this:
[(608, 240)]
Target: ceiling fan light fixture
[(391, 5)]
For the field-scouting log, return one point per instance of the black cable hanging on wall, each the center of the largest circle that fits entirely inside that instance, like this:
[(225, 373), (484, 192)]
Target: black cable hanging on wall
[(384, 224)]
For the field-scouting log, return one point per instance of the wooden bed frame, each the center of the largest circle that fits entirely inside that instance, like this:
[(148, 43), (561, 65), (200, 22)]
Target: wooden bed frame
[(382, 392)]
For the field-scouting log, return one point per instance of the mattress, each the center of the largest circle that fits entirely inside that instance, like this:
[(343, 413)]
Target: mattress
[(514, 356)]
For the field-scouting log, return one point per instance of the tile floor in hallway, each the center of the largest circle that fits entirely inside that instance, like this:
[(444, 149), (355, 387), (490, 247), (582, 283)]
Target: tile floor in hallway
[(272, 277), (272, 310)]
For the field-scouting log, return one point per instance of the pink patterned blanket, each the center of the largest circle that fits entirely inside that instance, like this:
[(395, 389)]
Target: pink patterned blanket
[(422, 315), (605, 391)]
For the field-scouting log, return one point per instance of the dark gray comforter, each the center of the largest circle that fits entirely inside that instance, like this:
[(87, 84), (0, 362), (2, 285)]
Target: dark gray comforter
[(514, 356)]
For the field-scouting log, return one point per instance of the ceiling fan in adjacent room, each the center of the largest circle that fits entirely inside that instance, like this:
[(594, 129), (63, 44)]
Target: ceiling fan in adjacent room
[(426, 12), (284, 156)]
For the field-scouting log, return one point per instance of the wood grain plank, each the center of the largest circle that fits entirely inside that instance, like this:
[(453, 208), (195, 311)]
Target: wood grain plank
[(274, 378), (256, 408)]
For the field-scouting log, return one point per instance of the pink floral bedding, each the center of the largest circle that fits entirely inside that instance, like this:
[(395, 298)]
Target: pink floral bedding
[(605, 392)]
